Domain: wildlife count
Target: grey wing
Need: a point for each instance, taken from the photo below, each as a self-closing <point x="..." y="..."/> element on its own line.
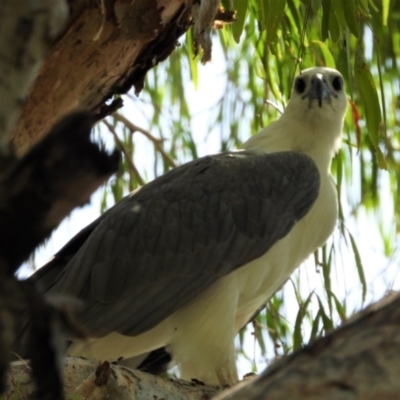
<point x="160" y="247"/>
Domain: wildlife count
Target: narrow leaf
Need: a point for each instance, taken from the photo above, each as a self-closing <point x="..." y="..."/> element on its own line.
<point x="240" y="6"/>
<point x="369" y="95"/>
<point x="350" y="14"/>
<point x="327" y="55"/>
<point x="273" y="10"/>
<point x="297" y="334"/>
<point x="326" y="9"/>
<point x="360" y="268"/>
<point x="328" y="324"/>
<point x="337" y="8"/>
<point x="380" y="158"/>
<point x="334" y="28"/>
<point x="315" y="325"/>
<point x="339" y="307"/>
<point x="385" y="11"/>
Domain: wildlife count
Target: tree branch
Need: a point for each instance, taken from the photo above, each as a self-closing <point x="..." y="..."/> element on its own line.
<point x="94" y="380"/>
<point x="26" y="30"/>
<point x="36" y="193"/>
<point x="156" y="142"/>
<point x="42" y="188"/>
<point x="128" y="157"/>
<point x="360" y="360"/>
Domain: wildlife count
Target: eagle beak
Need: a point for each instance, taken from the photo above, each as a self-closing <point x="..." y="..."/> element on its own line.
<point x="319" y="89"/>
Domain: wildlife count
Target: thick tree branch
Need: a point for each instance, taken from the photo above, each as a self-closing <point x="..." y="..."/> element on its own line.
<point x="39" y="190"/>
<point x="36" y="193"/>
<point x="26" y="30"/>
<point x="103" y="52"/>
<point x="360" y="360"/>
<point x="91" y="379"/>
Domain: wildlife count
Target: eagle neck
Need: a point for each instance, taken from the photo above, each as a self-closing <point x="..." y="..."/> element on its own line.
<point x="318" y="139"/>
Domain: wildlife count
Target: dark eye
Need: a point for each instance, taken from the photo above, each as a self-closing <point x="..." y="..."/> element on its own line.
<point x="300" y="85"/>
<point x="337" y="83"/>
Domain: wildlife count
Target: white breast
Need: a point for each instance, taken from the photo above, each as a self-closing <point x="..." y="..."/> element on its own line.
<point x="261" y="278"/>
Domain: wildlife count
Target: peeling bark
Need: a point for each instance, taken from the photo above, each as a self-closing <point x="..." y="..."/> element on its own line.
<point x="360" y="360"/>
<point x="91" y="379"/>
<point x="26" y="30"/>
<point x="104" y="51"/>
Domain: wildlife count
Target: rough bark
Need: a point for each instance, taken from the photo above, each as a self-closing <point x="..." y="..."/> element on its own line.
<point x="360" y="360"/>
<point x="26" y="31"/>
<point x="93" y="380"/>
<point x="40" y="189"/>
<point x="107" y="47"/>
<point x="36" y="193"/>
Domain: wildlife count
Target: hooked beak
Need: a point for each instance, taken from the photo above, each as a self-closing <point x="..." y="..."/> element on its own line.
<point x="319" y="90"/>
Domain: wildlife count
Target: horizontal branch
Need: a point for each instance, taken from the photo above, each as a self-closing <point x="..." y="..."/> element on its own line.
<point x="94" y="380"/>
<point x="360" y="360"/>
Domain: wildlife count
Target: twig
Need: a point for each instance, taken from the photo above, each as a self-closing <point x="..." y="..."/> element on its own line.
<point x="126" y="154"/>
<point x="273" y="105"/>
<point x="155" y="141"/>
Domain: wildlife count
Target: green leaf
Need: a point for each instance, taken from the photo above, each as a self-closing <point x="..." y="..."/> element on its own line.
<point x="339" y="307"/>
<point x="369" y="95"/>
<point x="273" y="10"/>
<point x="385" y="11"/>
<point x="297" y="334"/>
<point x="350" y="14"/>
<point x="334" y="27"/>
<point x="329" y="61"/>
<point x="360" y="268"/>
<point x="259" y="336"/>
<point x="315" y="325"/>
<point x="240" y="6"/>
<point x="328" y="323"/>
<point x="261" y="14"/>
<point x="226" y="4"/>
<point x="192" y="60"/>
<point x="380" y="158"/>
<point x="326" y="10"/>
<point x="326" y="272"/>
<point x="337" y="8"/>
<point x="295" y="15"/>
<point x="316" y="5"/>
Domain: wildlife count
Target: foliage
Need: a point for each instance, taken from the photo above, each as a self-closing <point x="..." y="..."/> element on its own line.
<point x="257" y="58"/>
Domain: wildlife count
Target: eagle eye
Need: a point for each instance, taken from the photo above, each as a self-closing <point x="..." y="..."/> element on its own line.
<point x="300" y="85"/>
<point x="337" y="83"/>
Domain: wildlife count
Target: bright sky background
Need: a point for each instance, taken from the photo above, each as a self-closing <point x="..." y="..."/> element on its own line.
<point x="381" y="273"/>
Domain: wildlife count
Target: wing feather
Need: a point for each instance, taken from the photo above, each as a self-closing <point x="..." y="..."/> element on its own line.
<point x="164" y="244"/>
